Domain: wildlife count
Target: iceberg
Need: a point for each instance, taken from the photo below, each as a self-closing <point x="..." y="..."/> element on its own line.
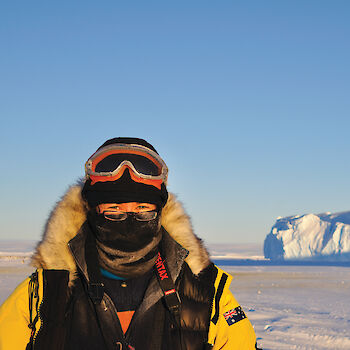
<point x="311" y="236"/>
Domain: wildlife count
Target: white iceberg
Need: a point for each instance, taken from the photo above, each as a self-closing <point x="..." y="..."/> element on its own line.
<point x="310" y="236"/>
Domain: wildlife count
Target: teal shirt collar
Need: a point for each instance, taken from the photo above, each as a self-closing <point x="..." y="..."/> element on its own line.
<point x="108" y="274"/>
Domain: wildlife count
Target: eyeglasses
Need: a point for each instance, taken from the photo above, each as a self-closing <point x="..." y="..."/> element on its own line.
<point x="122" y="215"/>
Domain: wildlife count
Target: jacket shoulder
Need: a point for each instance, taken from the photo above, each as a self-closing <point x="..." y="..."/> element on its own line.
<point x="229" y="327"/>
<point x="14" y="318"/>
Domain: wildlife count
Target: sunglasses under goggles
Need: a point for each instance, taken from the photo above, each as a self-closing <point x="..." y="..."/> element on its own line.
<point x="110" y="162"/>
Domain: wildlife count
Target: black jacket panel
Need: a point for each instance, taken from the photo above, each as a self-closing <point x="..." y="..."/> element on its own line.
<point x="94" y="327"/>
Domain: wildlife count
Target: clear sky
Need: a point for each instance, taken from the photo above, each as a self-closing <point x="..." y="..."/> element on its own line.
<point x="247" y="101"/>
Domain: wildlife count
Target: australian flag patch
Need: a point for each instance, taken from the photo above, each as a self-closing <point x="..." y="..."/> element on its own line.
<point x="234" y="315"/>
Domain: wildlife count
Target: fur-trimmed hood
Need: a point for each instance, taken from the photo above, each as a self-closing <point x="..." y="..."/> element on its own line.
<point x="64" y="222"/>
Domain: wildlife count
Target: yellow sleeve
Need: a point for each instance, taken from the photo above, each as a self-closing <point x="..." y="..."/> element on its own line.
<point x="238" y="336"/>
<point x="14" y="317"/>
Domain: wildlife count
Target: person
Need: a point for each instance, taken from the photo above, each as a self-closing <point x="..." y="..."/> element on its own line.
<point x="119" y="267"/>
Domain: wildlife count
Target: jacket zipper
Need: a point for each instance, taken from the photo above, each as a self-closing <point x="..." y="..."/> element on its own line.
<point x="39" y="312"/>
<point x="41" y="324"/>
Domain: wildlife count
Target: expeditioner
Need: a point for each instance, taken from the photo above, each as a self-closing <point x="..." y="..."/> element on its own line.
<point x="120" y="268"/>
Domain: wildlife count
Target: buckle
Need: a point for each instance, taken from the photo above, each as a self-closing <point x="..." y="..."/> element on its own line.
<point x="173" y="302"/>
<point x="96" y="291"/>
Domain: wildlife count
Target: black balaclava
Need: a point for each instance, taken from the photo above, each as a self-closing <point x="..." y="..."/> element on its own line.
<point x="126" y="248"/>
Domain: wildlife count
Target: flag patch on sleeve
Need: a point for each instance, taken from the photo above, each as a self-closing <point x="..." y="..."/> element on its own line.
<point x="234" y="315"/>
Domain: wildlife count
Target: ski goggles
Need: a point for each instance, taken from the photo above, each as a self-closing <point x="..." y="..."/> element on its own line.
<point x="110" y="162"/>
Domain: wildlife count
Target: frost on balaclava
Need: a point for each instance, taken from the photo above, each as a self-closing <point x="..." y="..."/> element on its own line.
<point x="126" y="248"/>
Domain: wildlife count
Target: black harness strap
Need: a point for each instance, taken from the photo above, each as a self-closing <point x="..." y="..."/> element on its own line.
<point x="218" y="296"/>
<point x="95" y="287"/>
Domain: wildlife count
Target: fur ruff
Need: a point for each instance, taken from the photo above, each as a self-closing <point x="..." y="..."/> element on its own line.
<point x="69" y="214"/>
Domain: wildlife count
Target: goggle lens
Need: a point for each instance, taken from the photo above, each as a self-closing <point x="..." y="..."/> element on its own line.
<point x="142" y="164"/>
<point x="122" y="215"/>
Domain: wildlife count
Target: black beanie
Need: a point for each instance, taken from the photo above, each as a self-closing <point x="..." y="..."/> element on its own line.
<point x="124" y="189"/>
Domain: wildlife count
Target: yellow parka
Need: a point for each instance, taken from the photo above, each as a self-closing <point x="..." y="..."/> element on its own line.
<point x="15" y="333"/>
<point x="53" y="253"/>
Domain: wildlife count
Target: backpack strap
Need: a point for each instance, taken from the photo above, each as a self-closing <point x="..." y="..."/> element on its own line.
<point x="95" y="286"/>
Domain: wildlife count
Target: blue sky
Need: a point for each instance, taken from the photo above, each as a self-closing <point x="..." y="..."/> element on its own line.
<point x="247" y="102"/>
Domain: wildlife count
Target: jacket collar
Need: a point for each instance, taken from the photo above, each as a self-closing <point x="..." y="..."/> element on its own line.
<point x="68" y="216"/>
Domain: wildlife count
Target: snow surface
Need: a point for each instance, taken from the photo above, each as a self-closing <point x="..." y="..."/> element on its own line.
<point x="236" y="251"/>
<point x="290" y="307"/>
<point x="310" y="236"/>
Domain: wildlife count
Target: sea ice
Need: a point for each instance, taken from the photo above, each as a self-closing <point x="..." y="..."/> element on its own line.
<point x="290" y="307"/>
